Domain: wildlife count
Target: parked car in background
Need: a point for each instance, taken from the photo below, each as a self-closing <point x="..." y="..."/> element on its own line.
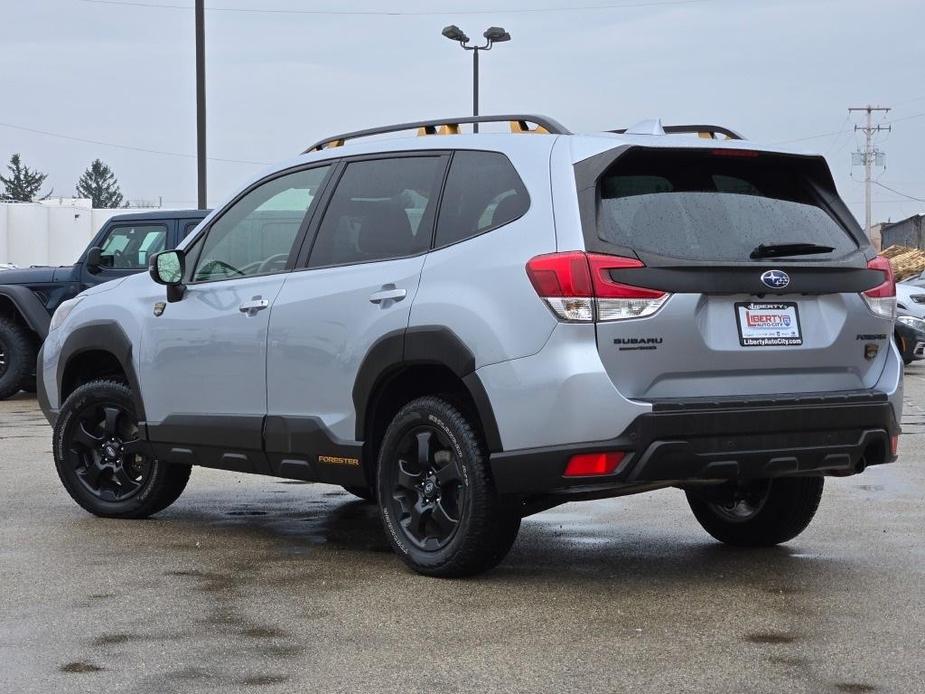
<point x="29" y="296"/>
<point x="909" y="333"/>
<point x="910" y="298"/>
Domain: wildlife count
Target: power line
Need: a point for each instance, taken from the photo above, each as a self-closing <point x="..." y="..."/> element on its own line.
<point x="128" y="147"/>
<point x="838" y="132"/>
<point x="402" y="13"/>
<point x="893" y="190"/>
<point x="897" y="120"/>
<point x="809" y="137"/>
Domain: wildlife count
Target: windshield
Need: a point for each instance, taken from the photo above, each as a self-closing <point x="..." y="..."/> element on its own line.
<point x="699" y="206"/>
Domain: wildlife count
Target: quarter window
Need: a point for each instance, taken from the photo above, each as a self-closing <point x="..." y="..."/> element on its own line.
<point x="255" y="235"/>
<point x="382" y="208"/>
<point x="483" y="191"/>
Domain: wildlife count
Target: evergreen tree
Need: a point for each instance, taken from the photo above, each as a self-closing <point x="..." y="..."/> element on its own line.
<point x="100" y="185"/>
<point x="23" y="184"/>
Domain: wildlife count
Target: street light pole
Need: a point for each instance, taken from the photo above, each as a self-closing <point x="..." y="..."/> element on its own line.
<point x="475" y="86"/>
<point x="200" y="105"/>
<point x="492" y="36"/>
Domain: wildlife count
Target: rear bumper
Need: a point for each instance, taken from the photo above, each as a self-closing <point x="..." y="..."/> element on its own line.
<point x="714" y="439"/>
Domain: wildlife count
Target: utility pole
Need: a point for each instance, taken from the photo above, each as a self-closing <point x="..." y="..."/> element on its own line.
<point x="200" y="104"/>
<point x="871" y="155"/>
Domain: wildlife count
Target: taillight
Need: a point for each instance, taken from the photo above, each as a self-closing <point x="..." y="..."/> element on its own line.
<point x="881" y="300"/>
<point x="577" y="286"/>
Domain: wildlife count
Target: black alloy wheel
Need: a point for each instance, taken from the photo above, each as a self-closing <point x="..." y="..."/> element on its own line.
<point x="427" y="491"/>
<point x="437" y="499"/>
<point x="102" y="460"/>
<point x="106" y="451"/>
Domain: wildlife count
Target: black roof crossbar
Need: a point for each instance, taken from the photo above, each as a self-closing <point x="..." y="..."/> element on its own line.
<point x="711" y="131"/>
<point x="519" y="124"/>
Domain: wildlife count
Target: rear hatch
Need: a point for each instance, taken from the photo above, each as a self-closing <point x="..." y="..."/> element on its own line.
<point x="750" y="276"/>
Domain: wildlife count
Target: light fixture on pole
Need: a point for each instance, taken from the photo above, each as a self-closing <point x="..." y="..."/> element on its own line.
<point x="492" y="36"/>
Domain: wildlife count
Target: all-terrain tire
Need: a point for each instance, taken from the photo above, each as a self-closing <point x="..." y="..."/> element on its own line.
<point x="486" y="525"/>
<point x="19" y="354"/>
<point x="158" y="488"/>
<point x="787" y="510"/>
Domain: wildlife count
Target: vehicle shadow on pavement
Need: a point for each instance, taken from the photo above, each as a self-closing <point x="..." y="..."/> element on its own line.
<point x="546" y="550"/>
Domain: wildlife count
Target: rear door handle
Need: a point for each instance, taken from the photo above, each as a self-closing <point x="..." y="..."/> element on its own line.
<point x="251" y="307"/>
<point x="390" y="294"/>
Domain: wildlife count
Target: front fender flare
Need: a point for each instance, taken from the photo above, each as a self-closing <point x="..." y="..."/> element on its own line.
<point x="29" y="307"/>
<point x="103" y="336"/>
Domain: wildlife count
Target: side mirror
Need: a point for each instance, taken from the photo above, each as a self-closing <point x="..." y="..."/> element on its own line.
<point x="94" y="259"/>
<point x="168" y="268"/>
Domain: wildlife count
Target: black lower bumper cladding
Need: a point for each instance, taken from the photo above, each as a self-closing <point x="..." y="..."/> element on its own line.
<point x="705" y="439"/>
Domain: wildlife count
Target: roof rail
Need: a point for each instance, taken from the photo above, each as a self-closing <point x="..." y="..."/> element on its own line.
<point x="449" y="126"/>
<point x="708" y="132"/>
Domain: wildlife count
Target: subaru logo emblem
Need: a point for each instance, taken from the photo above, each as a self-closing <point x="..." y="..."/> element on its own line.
<point x="775" y="279"/>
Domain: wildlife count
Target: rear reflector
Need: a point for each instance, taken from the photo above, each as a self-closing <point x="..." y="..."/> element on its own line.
<point x="894" y="444"/>
<point x="578" y="286"/>
<point x="588" y="464"/>
<point x="882" y="298"/>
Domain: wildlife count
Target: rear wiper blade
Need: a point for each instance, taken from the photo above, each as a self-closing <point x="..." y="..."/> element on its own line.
<point x="776" y="250"/>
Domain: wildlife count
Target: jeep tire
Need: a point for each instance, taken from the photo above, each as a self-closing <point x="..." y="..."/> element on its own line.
<point x="101" y="460"/>
<point x="437" y="499"/>
<point x="764" y="513"/>
<point x="17" y="357"/>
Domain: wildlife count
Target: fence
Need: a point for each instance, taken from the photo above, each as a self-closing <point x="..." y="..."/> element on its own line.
<point x="51" y="232"/>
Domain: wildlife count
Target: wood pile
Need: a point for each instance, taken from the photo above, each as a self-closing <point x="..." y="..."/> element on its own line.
<point x="906" y="261"/>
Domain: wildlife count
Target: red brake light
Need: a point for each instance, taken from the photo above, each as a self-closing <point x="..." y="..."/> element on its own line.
<point x="574" y="273"/>
<point x="745" y="153"/>
<point x="577" y="287"/>
<point x="587" y="464"/>
<point x="605" y="287"/>
<point x="560" y="274"/>
<point x="888" y="287"/>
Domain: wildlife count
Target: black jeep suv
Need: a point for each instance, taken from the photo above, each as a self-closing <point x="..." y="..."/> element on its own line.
<point x="29" y="296"/>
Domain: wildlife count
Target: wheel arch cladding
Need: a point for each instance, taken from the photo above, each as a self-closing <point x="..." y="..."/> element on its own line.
<point x="106" y="337"/>
<point x="27" y="306"/>
<point x="425" y="346"/>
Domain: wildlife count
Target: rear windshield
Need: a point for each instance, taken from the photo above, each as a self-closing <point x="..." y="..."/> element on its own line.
<point x="702" y="206"/>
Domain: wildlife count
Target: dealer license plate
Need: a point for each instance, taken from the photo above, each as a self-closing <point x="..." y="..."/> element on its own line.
<point x="768" y="324"/>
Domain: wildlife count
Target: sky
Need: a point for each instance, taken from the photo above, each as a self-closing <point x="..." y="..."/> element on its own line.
<point x="292" y="72"/>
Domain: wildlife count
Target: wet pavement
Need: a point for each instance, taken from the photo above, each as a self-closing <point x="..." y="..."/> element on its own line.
<point x="261" y="585"/>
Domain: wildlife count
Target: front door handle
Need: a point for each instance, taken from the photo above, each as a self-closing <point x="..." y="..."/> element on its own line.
<point x="387" y="294"/>
<point x="251" y="307"/>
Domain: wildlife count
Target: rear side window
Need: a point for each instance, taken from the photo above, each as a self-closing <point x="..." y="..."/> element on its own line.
<point x="701" y="206"/>
<point x="483" y="191"/>
<point x="381" y="208"/>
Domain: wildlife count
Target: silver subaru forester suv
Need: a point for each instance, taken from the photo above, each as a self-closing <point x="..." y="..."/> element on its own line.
<point x="470" y="328"/>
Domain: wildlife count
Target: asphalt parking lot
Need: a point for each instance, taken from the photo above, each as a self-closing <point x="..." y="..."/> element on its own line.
<point x="258" y="584"/>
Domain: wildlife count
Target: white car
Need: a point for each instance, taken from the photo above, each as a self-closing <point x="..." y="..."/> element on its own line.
<point x="910" y="298"/>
